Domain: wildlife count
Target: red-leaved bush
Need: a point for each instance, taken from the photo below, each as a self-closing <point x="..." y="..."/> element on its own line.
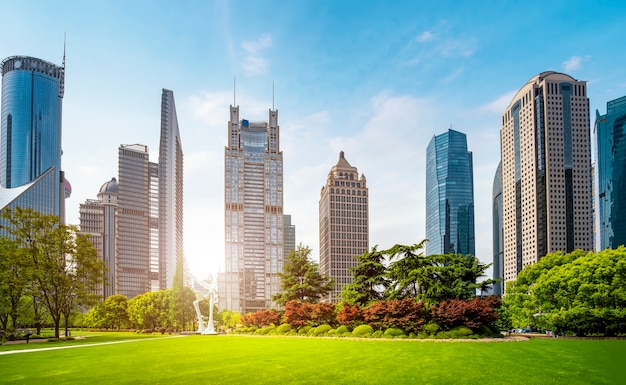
<point x="261" y="318"/>
<point x="350" y="315"/>
<point x="406" y="314"/>
<point x="472" y="314"/>
<point x="298" y="314"/>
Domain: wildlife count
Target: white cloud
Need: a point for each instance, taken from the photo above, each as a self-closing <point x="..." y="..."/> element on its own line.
<point x="253" y="46"/>
<point x="457" y="47"/>
<point x="497" y="106"/>
<point x="575" y="63"/>
<point x="425" y="36"/>
<point x="455" y="74"/>
<point x="253" y="63"/>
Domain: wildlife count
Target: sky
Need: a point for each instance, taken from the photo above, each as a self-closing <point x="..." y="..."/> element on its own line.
<point x="374" y="79"/>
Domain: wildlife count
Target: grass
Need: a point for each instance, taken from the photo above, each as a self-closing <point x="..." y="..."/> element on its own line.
<point x="272" y="360"/>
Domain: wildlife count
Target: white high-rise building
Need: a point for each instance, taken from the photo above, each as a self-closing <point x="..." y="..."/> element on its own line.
<point x="546" y="171"/>
<point x="253" y="203"/>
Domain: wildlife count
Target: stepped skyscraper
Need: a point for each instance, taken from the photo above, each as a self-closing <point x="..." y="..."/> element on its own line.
<point x="253" y="205"/>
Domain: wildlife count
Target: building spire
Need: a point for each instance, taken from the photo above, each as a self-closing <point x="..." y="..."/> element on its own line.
<point x="272" y="95"/>
<point x="234" y="91"/>
<point x="62" y="77"/>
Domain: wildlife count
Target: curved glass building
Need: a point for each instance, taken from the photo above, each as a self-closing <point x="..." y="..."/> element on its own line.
<point x="30" y="139"/>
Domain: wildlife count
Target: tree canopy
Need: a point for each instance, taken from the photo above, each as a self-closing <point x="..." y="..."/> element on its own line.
<point x="301" y="279"/>
<point x="581" y="293"/>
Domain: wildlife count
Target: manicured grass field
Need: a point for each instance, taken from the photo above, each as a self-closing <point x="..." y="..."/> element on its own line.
<point x="284" y="360"/>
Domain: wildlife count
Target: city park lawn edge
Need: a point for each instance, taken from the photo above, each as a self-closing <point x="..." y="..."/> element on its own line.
<point x="98" y="359"/>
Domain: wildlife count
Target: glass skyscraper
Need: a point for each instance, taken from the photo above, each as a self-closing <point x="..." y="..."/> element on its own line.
<point x="610" y="130"/>
<point x="498" y="234"/>
<point x="30" y="138"/>
<point x="449" y="195"/>
<point x="253" y="203"/>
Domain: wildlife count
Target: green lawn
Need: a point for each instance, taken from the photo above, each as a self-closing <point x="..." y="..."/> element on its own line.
<point x="284" y="360"/>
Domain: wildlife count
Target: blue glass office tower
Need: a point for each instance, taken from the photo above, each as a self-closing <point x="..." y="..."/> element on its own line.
<point x="610" y="130"/>
<point x="30" y="140"/>
<point x="449" y="195"/>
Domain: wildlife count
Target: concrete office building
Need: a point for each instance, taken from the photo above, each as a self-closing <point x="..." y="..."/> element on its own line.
<point x="253" y="205"/>
<point x="449" y="195"/>
<point x="343" y="223"/>
<point x="498" y="234"/>
<point x="546" y="171"/>
<point x="610" y="131"/>
<point x="289" y="232"/>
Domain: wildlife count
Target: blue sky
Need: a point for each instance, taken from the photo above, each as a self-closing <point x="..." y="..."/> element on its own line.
<point x="374" y="79"/>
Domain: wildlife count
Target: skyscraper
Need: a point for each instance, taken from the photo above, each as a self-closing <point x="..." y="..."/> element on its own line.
<point x="498" y="246"/>
<point x="343" y="222"/>
<point x="30" y="139"/>
<point x="133" y="224"/>
<point x="449" y="195"/>
<point x="610" y="130"/>
<point x="253" y="200"/>
<point x="289" y="232"/>
<point x="98" y="218"/>
<point x="170" y="192"/>
<point x="546" y="171"/>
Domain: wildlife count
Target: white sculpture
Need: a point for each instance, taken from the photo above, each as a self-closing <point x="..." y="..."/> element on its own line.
<point x="205" y="290"/>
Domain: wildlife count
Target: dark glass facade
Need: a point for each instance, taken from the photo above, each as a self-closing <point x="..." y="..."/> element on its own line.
<point x="610" y="130"/>
<point x="449" y="195"/>
<point x="498" y="232"/>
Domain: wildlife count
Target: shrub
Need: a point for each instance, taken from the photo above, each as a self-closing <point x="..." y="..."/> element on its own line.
<point x="461" y="331"/>
<point x="261" y="318"/>
<point x="323" y="313"/>
<point x="297" y="313"/>
<point x="162" y="330"/>
<point x="148" y="331"/>
<point x="293" y="332"/>
<point x="377" y="334"/>
<point x="304" y="330"/>
<point x="472" y="313"/>
<point x="331" y="332"/>
<point x="350" y="314"/>
<point x="283" y="329"/>
<point x="322" y="329"/>
<point x="394" y="332"/>
<point x="405" y="314"/>
<point x="431" y="328"/>
<point x="342" y="330"/>
<point x="362" y="331"/>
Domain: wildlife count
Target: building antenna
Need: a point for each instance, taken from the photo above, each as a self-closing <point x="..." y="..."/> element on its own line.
<point x="234" y="91"/>
<point x="62" y="77"/>
<point x="273" y="95"/>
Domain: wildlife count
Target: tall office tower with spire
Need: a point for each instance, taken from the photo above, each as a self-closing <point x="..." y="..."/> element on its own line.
<point x="343" y="223"/>
<point x="546" y="171"/>
<point x="170" y="193"/>
<point x="449" y="195"/>
<point x="30" y="139"/>
<point x="253" y="200"/>
<point x="610" y="131"/>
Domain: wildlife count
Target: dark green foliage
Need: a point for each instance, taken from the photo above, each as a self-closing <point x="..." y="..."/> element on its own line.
<point x="301" y="279"/>
<point x="432" y="328"/>
<point x="580" y="293"/>
<point x="368" y="279"/>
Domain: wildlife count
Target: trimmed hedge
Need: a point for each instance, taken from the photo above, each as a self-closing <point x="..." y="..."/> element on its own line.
<point x="322" y="329"/>
<point x="362" y="331"/>
<point x="394" y="332"/>
<point x="283" y="329"/>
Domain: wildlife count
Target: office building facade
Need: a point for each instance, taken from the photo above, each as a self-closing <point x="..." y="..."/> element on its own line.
<point x="253" y="201"/>
<point x="449" y="195"/>
<point x="289" y="233"/>
<point x="498" y="234"/>
<point x="610" y="132"/>
<point x="546" y="171"/>
<point x="343" y="223"/>
<point x="30" y="137"/>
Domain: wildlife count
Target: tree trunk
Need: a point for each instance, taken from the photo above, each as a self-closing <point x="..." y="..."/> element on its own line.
<point x="57" y="322"/>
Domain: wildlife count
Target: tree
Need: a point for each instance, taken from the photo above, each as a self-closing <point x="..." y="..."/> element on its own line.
<point x="116" y="311"/>
<point x="182" y="313"/>
<point x="150" y="310"/>
<point x="65" y="268"/>
<point x="15" y="271"/>
<point x="433" y="278"/>
<point x="301" y="279"/>
<point x="368" y="279"/>
<point x="581" y="293"/>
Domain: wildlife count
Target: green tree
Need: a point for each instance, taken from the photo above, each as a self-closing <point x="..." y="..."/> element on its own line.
<point x="433" y="278"/>
<point x="65" y="268"/>
<point x="15" y="272"/>
<point x="150" y="310"/>
<point x="301" y="279"/>
<point x="368" y="279"/>
<point x="116" y="311"/>
<point x="182" y="313"/>
<point x="581" y="293"/>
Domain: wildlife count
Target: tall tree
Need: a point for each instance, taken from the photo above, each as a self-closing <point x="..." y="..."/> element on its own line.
<point x="182" y="313"/>
<point x="65" y="268"/>
<point x="301" y="279"/>
<point x="15" y="271"/>
<point x="368" y="279"/>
